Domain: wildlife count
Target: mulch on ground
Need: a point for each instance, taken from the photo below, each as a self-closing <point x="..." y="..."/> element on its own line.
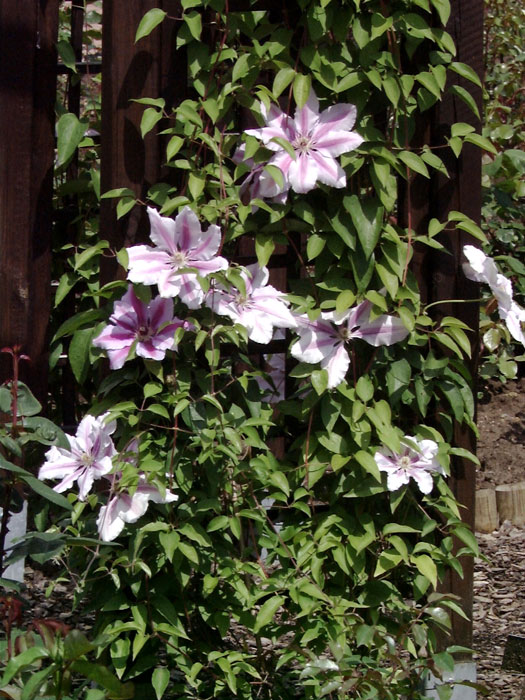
<point x="499" y="577"/>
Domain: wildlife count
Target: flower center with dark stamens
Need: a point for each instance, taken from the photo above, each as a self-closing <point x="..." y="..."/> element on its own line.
<point x="302" y="144"/>
<point x="143" y="333"/>
<point x="347" y="333"/>
<point x="404" y="462"/>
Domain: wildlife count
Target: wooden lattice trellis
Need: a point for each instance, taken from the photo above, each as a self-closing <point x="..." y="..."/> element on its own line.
<point x="28" y="70"/>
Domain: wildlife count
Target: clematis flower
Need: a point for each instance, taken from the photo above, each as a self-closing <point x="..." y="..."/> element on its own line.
<point x="482" y="268"/>
<point x="150" y="326"/>
<point x="316" y="138"/>
<point x="324" y="339"/>
<point x="261" y="309"/>
<point x="259" y="183"/>
<point x="417" y="461"/>
<point x="124" y="508"/>
<point x="180" y="243"/>
<point x="89" y="458"/>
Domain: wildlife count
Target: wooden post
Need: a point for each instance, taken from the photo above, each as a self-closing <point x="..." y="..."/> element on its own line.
<point x="440" y="274"/>
<point x="511" y="503"/>
<point x="487" y="518"/>
<point x="461" y="193"/>
<point x="28" y="34"/>
<point x="151" y="68"/>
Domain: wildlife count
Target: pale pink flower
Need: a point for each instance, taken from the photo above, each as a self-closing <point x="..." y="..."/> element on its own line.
<point x="259" y="308"/>
<point x="316" y="138"/>
<point x="89" y="458"/>
<point x="150" y="327"/>
<point x="324" y="340"/>
<point x="124" y="508"/>
<point x="418" y="461"/>
<point x="180" y="244"/>
<point x="482" y="268"/>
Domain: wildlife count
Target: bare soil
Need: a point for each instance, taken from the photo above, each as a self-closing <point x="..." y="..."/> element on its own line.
<point x="501" y="444"/>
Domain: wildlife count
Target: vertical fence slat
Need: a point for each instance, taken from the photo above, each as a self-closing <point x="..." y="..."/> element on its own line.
<point x="28" y="34"/>
<point x="131" y="71"/>
<point x="462" y="193"/>
<point x="440" y="274"/>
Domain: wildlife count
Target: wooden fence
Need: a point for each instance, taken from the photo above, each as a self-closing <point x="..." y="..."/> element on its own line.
<point x="28" y="73"/>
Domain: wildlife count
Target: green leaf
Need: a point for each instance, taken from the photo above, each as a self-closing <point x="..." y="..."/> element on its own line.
<point x="65" y="285"/>
<point x="169" y="541"/>
<point x="456" y="144"/>
<point x="465" y="72"/>
<point x="398" y="378"/>
<point x="28" y="405"/>
<point x="41" y="546"/>
<point x="86" y="255"/>
<point x="275" y="172"/>
<point x="193" y="21"/>
<point x="46" y="492"/>
<point x="367" y="217"/>
<point x="282" y="79"/>
<point x="461" y="129"/>
<point x="196" y="533"/>
<point x="35" y="683"/>
<point x="368" y="463"/>
<point x="443" y="9"/>
<point x="414" y="162"/>
<point x="124" y="206"/>
<point x="492" y="338"/>
<point x="387" y="560"/>
<point x="314" y="246"/>
<point x="468" y="537"/>
<point x="160" y="679"/>
<point x="78" y="354"/>
<point x="173" y="147"/>
<point x="301" y="89"/>
<point x="196" y="183"/>
<point x="426" y="566"/>
<point x="482" y="142"/>
<point x="466" y="97"/>
<point x="81" y="319"/>
<point x="76" y="644"/>
<point x="392" y="90"/>
<point x="189" y="552"/>
<point x="365" y="388"/>
<point x="147" y="24"/>
<point x="320" y="380"/>
<point x="428" y="81"/>
<point x="447" y="341"/>
<point x="435" y="162"/>
<point x="103" y="676"/>
<point x="118" y="192"/>
<point x="44" y="431"/>
<point x="287" y="146"/>
<point x="20" y="661"/>
<point x="149" y="118"/>
<point x="264" y="247"/>
<point x="67" y="54"/>
<point x="241" y="67"/>
<point x="267" y="612"/>
<point x="159" y="410"/>
<point x="70" y="132"/>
